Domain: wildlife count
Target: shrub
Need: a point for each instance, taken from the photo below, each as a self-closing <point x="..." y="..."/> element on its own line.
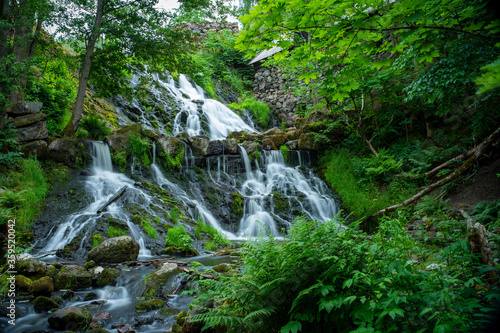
<point x="217" y="238"/>
<point x="116" y="232"/>
<point x="141" y="149"/>
<point x="178" y="237"/>
<point x="96" y="128"/>
<point x="9" y="148"/>
<point x="259" y="110"/>
<point x="149" y="229"/>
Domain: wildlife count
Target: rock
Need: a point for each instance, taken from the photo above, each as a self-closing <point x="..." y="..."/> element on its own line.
<point x="31" y="268"/>
<point x="118" y="142"/>
<point x="68" y="294"/>
<point x="108" y="277"/>
<point x="89" y="264"/>
<point x="230" y="146"/>
<point x="222" y="268"/>
<point x="176" y="328"/>
<point x="254" y="137"/>
<point x="43" y="303"/>
<point x="73" y="277"/>
<point x="70" y="152"/>
<point x="91" y="296"/>
<point x="269" y="144"/>
<point x="169" y="144"/>
<point x="215" y="147"/>
<point x="152" y="304"/>
<point x="307" y="142"/>
<point x="35" y="148"/>
<point x="70" y="318"/>
<point x="36" y="131"/>
<point x="57" y="299"/>
<point x="22" y="284"/>
<point x="160" y="277"/>
<point x="251" y="147"/>
<point x="125" y="328"/>
<point x="23" y="121"/>
<point x="20" y="109"/>
<point x="42" y="287"/>
<point x="292" y="145"/>
<point x="199" y="145"/>
<point x="115" y="250"/>
<point x="293" y="134"/>
<point x="272" y="131"/>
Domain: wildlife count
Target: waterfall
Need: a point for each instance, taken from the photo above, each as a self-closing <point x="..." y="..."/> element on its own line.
<point x="101" y="185"/>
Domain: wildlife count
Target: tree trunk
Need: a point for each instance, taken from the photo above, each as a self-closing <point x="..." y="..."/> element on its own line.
<point x="34" y="41"/>
<point x="72" y="126"/>
<point x="4" y="52"/>
<point x="478" y="151"/>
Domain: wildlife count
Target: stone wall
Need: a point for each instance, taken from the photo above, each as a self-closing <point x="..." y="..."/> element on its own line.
<point x="269" y="87"/>
<point x="30" y="126"/>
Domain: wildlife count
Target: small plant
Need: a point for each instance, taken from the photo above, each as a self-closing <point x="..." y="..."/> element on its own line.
<point x="149" y="229"/>
<point x="217" y="239"/>
<point x="431" y="206"/>
<point x="178" y="237"/>
<point x="174" y="215"/>
<point x="9" y="148"/>
<point x="174" y="163"/>
<point x="285" y="152"/>
<point x="116" y="232"/>
<point x="259" y="110"/>
<point x="96" y="240"/>
<point x="141" y="149"/>
<point x="96" y="128"/>
<point x="486" y="212"/>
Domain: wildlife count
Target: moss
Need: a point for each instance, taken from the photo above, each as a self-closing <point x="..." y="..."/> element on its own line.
<point x="96" y="240"/>
<point x="280" y="202"/>
<point x="89" y="264"/>
<point x="152" y="304"/>
<point x="68" y="294"/>
<point x="176" y="328"/>
<point x="116" y="232"/>
<point x="108" y="277"/>
<point x="42" y="287"/>
<point x="237" y="205"/>
<point x="57" y="299"/>
<point x="23" y="283"/>
<point x="163" y="194"/>
<point x="91" y="296"/>
<point x="181" y="318"/>
<point x="212" y="199"/>
<point x="120" y="159"/>
<point x="43" y="303"/>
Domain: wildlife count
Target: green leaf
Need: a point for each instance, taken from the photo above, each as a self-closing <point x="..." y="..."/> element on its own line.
<point x="347" y="283"/>
<point x="292" y="326"/>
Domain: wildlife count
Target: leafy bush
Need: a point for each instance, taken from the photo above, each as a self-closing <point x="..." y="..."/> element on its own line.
<point x="329" y="278"/>
<point x="178" y="237"/>
<point x="285" y="152"/>
<point x="377" y="167"/>
<point x="259" y="110"/>
<point x="116" y="232"/>
<point x="96" y="128"/>
<point x="431" y="206"/>
<point x="9" y="148"/>
<point x="96" y="240"/>
<point x="141" y="149"/>
<point x="487" y="212"/>
<point x="217" y="238"/>
<point x="149" y="229"/>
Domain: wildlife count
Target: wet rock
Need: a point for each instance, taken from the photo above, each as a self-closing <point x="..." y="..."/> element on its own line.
<point x="89" y="264"/>
<point x="268" y="144"/>
<point x="43" y="303"/>
<point x="160" y="277"/>
<point x="31" y="268"/>
<point x="215" y="147"/>
<point x="70" y="318"/>
<point x="169" y="144"/>
<point x="23" y="283"/>
<point x="251" y="147"/>
<point x="73" y="277"/>
<point x="279" y="139"/>
<point x="108" y="277"/>
<point x="152" y="304"/>
<point x="292" y="145"/>
<point x="68" y="294"/>
<point x="307" y="142"/>
<point x="57" y="299"/>
<point x="165" y="312"/>
<point x="35" y="148"/>
<point x="98" y="330"/>
<point x="115" y="250"/>
<point x="118" y="142"/>
<point x="51" y="271"/>
<point x="20" y="109"/>
<point x="199" y="145"/>
<point x="272" y="131"/>
<point x="176" y="328"/>
<point x="222" y="268"/>
<point x="230" y="146"/>
<point x="72" y="153"/>
<point x="36" y="131"/>
<point x="125" y="328"/>
<point x="42" y="287"/>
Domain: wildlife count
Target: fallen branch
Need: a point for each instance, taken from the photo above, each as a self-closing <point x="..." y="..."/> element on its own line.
<point x="113" y="198"/>
<point x="224" y="252"/>
<point x="450" y="162"/>
<point x="478" y="151"/>
<point x="155" y="262"/>
<point x="190" y="271"/>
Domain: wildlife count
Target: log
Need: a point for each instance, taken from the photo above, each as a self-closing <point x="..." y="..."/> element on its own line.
<point x="450" y="162"/>
<point x="155" y="262"/>
<point x="190" y="271"/>
<point x="478" y="152"/>
<point x="113" y="199"/>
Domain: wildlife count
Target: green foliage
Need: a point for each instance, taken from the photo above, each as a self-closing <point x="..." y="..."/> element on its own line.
<point x="174" y="215"/>
<point x="141" y="149"/>
<point x="259" y="110"/>
<point x="487" y="213"/>
<point x="96" y="128"/>
<point x="378" y="167"/>
<point x="217" y="238"/>
<point x="328" y="278"/>
<point x="178" y="237"/>
<point x="431" y="206"/>
<point x="361" y="196"/>
<point x="120" y="159"/>
<point x="114" y="231"/>
<point x="9" y="148"/>
<point x="174" y="163"/>
<point x="237" y="205"/>
<point x="96" y="240"/>
<point x="149" y="229"/>
<point x="285" y="152"/>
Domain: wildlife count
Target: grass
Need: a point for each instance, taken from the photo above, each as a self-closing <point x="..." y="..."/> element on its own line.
<point x="178" y="237"/>
<point x="361" y="198"/>
<point x="25" y="188"/>
<point x="149" y="229"/>
<point x="217" y="238"/>
<point x="116" y="232"/>
<point x="259" y="110"/>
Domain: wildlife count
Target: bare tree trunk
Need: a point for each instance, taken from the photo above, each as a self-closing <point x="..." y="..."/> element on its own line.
<point x="72" y="126"/>
<point x="478" y="151"/>
<point x="34" y="41"/>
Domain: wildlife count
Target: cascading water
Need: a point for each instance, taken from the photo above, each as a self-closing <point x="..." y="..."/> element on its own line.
<point x="101" y="185"/>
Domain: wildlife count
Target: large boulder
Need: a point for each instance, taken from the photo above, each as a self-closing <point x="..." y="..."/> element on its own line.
<point x="169" y="144"/>
<point x="114" y="250"/>
<point x="22" y="284"/>
<point x="272" y="131"/>
<point x="108" y="277"/>
<point x="268" y="144"/>
<point x="73" y="153"/>
<point x="292" y="145"/>
<point x="71" y="318"/>
<point x="34" y="148"/>
<point x="160" y="278"/>
<point x="307" y="142"/>
<point x="31" y="268"/>
<point x="215" y="147"/>
<point x="199" y="144"/>
<point x="43" y="303"/>
<point x="118" y="142"/>
<point x="42" y="287"/>
<point x="251" y="147"/>
<point x="20" y="109"/>
<point x="231" y="147"/>
<point x="73" y="277"/>
<point x="36" y="131"/>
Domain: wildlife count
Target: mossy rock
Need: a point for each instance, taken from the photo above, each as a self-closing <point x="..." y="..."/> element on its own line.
<point x="152" y="304"/>
<point x="175" y="251"/>
<point x="237" y="206"/>
<point x="115" y="250"/>
<point x="73" y="277"/>
<point x="108" y="277"/>
<point x="51" y="271"/>
<point x="98" y="330"/>
<point x="71" y="317"/>
<point x="31" y="268"/>
<point x="57" y="299"/>
<point x="160" y="277"/>
<point x="89" y="264"/>
<point x="23" y="283"/>
<point x="176" y="328"/>
<point x="222" y="268"/>
<point x="280" y="202"/>
<point x="137" y="219"/>
<point x="68" y="294"/>
<point x="91" y="296"/>
<point x="43" y="303"/>
<point x="42" y="287"/>
<point x="181" y="318"/>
